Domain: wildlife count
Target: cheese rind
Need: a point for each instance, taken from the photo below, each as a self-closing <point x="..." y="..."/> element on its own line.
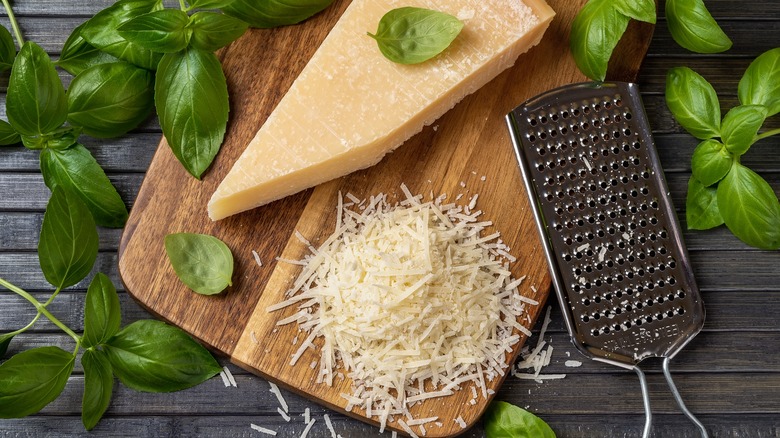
<point x="350" y="106"/>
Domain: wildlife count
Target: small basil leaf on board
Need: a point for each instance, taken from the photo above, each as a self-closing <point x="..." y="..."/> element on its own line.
<point x="152" y="356"/>
<point x="208" y="4"/>
<point x="192" y="102"/>
<point x="750" y="208"/>
<point x="692" y="27"/>
<point x="595" y="33"/>
<point x="701" y="206"/>
<point x="693" y="102"/>
<point x="274" y="13"/>
<point x="203" y="263"/>
<point x="102" y="32"/>
<point x="211" y="31"/>
<point x="162" y="31"/>
<point x="108" y="100"/>
<point x="76" y="170"/>
<point x="32" y="379"/>
<point x="101" y="312"/>
<point x="760" y="84"/>
<point x="78" y="55"/>
<point x="8" y="135"/>
<point x="641" y="10"/>
<point x="68" y="245"/>
<point x="98" y="387"/>
<point x="7" y="49"/>
<point x="504" y="420"/>
<point x="412" y="35"/>
<point x="5" y="342"/>
<point x="36" y="98"/>
<point x="711" y="162"/>
<point x="740" y="127"/>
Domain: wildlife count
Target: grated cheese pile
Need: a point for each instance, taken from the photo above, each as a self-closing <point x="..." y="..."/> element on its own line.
<point x="411" y="300"/>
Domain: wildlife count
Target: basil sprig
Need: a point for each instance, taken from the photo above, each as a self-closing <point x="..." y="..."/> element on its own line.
<point x="600" y="25"/>
<point x="504" y="420"/>
<point x="722" y="190"/>
<point x="146" y="355"/>
<point x="411" y="35"/>
<point x="203" y="263"/>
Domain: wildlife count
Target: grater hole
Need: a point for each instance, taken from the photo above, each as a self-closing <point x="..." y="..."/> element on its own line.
<point x="627" y="132"/>
<point x="618" y="102"/>
<point x="543" y="119"/>
<point x="637" y="145"/>
<point x="628" y="116"/>
<point x="554" y="117"/>
<point x="680" y="311"/>
<point x="576" y="112"/>
<point x="531" y="138"/>
<point x="533" y="122"/>
<point x="565" y="114"/>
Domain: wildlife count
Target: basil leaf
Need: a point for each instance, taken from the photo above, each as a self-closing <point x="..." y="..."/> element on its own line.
<point x="192" y="102"/>
<point x="5" y="341"/>
<point x="692" y="27"/>
<point x="162" y="31"/>
<point x="701" y="206"/>
<point x="98" y="387"/>
<point x="32" y="379"/>
<point x="274" y="13"/>
<point x="8" y="135"/>
<point x="69" y="241"/>
<point x="108" y="100"/>
<point x="413" y="35"/>
<point x="204" y="263"/>
<point x="595" y="33"/>
<point x="693" y="102"/>
<point x="761" y="83"/>
<point x="36" y="98"/>
<point x="212" y="31"/>
<point x="504" y="420"/>
<point x="711" y="162"/>
<point x="7" y="49"/>
<point x="208" y="4"/>
<point x="78" y="55"/>
<point x="77" y="171"/>
<point x="152" y="356"/>
<point x="750" y="208"/>
<point x="641" y="10"/>
<point x="740" y="127"/>
<point x="101" y="312"/>
<point x="102" y="32"/>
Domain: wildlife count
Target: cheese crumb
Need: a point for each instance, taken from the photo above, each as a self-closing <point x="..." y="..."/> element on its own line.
<point x="263" y="430"/>
<point x="229" y="376"/>
<point x="573" y="363"/>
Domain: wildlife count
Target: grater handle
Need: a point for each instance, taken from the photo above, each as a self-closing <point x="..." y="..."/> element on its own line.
<point x="646" y="402"/>
<point x="679" y="400"/>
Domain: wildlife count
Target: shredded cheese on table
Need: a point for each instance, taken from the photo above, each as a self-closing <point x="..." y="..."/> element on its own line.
<point x="411" y="300"/>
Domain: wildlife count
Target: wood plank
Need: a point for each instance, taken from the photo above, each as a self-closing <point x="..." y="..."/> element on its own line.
<point x="732" y="351"/>
<point x="565" y="426"/>
<point x="578" y="394"/>
<point x="27" y="192"/>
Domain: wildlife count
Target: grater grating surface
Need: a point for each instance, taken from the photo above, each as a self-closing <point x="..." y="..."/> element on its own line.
<point x="610" y="233"/>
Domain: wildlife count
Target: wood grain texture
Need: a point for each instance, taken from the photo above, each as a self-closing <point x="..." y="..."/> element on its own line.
<point x="468" y="142"/>
<point x="741" y="309"/>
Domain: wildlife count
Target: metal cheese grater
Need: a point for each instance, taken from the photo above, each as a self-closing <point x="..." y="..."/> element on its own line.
<point x="610" y="234"/>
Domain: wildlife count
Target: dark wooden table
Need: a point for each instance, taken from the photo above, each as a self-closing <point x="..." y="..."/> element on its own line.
<point x="729" y="374"/>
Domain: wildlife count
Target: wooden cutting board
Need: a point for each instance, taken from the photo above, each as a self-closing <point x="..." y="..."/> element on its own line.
<point x="467" y="143"/>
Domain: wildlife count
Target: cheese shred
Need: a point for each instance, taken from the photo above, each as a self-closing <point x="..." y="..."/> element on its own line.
<point x="411" y="300"/>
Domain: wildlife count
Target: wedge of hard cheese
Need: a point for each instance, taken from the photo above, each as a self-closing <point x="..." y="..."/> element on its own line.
<point x="350" y="105"/>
